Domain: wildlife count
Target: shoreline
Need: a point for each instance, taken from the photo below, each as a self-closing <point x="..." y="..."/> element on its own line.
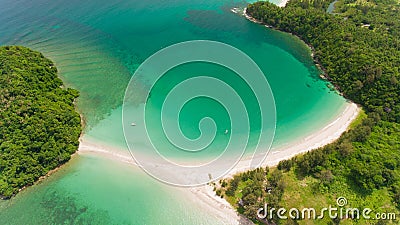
<point x="319" y="138"/>
<point x="327" y="135"/>
<point x="94" y="147"/>
<point x="324" y="75"/>
<point x="204" y="195"/>
<point x="41" y="178"/>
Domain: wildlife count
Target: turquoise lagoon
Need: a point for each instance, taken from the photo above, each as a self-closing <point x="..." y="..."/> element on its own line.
<point x="97" y="46"/>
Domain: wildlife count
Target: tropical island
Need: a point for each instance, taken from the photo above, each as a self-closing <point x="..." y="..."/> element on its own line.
<point x="40" y="128"/>
<point x="354" y="43"/>
<point x="357" y="46"/>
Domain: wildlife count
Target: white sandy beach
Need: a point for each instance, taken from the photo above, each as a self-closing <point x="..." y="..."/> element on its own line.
<point x="320" y="138"/>
<point x="283" y="3"/>
<point x="328" y="134"/>
<point x="205" y="195"/>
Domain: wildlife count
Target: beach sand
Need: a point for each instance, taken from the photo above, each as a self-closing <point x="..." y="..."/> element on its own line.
<point x="205" y="196"/>
<point x="320" y="138"/>
<point x="325" y="136"/>
<point x="283" y="3"/>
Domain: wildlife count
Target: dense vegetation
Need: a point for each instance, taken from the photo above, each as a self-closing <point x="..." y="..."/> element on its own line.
<point x="39" y="125"/>
<point x="381" y="15"/>
<point x="362" y="63"/>
<point x="358" y="49"/>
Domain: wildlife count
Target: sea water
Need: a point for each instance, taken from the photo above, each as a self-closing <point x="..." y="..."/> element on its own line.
<point x="97" y="45"/>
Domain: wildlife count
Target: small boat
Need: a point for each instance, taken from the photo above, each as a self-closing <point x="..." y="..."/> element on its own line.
<point x="133" y="124"/>
<point x="226" y="131"/>
<point x="235" y="10"/>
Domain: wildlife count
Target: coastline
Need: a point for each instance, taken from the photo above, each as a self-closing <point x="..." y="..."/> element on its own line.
<point x="330" y="133"/>
<point x="94" y="147"/>
<point x="204" y="195"/>
<point x="40" y="179"/>
<point x="325" y="136"/>
<point x="324" y="75"/>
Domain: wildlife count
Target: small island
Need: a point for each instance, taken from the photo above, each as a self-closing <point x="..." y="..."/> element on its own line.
<point x="40" y="128"/>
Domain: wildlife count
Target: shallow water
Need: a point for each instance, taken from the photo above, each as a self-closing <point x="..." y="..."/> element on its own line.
<point x="116" y="196"/>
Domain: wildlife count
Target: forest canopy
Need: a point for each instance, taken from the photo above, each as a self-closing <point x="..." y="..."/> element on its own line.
<point x="357" y="46"/>
<point x="363" y="62"/>
<point x="39" y="127"/>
